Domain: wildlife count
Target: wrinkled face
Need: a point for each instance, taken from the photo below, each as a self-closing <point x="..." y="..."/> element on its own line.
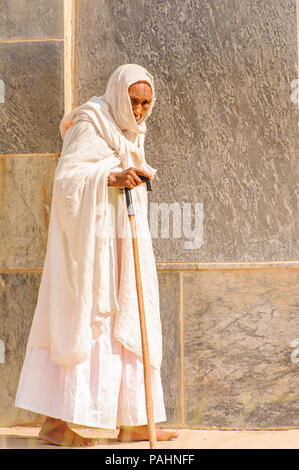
<point x="141" y="96"/>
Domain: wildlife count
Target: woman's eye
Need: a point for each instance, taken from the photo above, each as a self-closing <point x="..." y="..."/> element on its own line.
<point x="144" y="103"/>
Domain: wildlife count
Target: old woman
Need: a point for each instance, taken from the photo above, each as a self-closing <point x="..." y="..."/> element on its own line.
<point x="83" y="361"/>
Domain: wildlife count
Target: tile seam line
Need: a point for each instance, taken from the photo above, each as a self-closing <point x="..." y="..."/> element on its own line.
<point x="229" y="262"/>
<point x="289" y="268"/>
<point x="261" y="429"/>
<point x="228" y="267"/>
<point x="180" y="270"/>
<point x="20" y="270"/>
<point x="15" y="41"/>
<point x="9" y="155"/>
<point x="182" y="370"/>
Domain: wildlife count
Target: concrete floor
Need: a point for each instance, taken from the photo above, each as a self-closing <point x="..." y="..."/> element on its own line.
<point x="20" y="437"/>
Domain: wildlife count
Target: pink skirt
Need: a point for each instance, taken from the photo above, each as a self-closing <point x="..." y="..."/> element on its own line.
<point x="106" y="391"/>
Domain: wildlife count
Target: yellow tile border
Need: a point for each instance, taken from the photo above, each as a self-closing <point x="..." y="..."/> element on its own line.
<point x="297" y="14"/>
<point x="69" y="15"/>
<point x="20" y="270"/>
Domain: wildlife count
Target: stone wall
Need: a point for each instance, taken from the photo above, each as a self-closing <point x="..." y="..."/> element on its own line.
<point x="31" y="71"/>
<point x="229" y="358"/>
<point x="224" y="129"/>
<point x="223" y="134"/>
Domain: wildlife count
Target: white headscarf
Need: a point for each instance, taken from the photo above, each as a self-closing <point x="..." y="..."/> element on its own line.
<point x="118" y="99"/>
<point x="113" y="115"/>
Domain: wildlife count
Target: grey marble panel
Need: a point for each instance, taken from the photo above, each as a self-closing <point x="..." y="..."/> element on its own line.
<point x="241" y="362"/>
<point x="18" y="297"/>
<point x="169" y="289"/>
<point x="31" y="19"/>
<point x="33" y="100"/>
<point x="25" y="201"/>
<point x="224" y="130"/>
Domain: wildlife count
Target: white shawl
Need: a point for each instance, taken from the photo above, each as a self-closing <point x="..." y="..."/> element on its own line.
<point x="78" y="284"/>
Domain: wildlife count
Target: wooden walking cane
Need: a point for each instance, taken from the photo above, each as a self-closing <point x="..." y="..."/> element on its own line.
<point x="145" y="351"/>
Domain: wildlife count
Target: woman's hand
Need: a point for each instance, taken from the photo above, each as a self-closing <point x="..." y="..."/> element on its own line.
<point x="127" y="178"/>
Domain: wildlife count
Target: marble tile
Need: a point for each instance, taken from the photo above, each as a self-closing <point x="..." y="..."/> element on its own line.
<point x="240" y="362"/>
<point x="224" y="129"/>
<point x="25" y="201"/>
<point x="18" y="297"/>
<point x="33" y="101"/>
<point x="169" y="289"/>
<point x="31" y="19"/>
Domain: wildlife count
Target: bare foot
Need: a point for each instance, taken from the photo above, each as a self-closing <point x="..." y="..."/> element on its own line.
<point x="55" y="431"/>
<point x="140" y="433"/>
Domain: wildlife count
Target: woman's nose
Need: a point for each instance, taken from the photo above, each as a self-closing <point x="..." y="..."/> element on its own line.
<point x="138" y="108"/>
<point x="137" y="111"/>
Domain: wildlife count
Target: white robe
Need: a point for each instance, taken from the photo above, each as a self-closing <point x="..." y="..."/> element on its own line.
<point x="78" y="285"/>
